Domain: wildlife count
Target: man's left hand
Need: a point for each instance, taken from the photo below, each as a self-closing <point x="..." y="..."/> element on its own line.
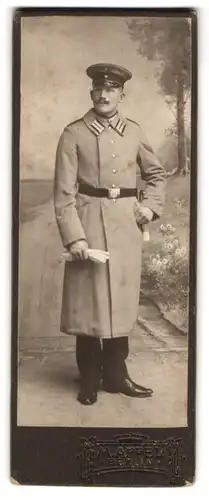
<point x="143" y="215"/>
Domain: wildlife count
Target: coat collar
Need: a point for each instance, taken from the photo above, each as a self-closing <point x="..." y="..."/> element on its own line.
<point x="97" y="124"/>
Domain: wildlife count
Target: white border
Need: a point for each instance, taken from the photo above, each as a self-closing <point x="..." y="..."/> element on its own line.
<point x="199" y="490"/>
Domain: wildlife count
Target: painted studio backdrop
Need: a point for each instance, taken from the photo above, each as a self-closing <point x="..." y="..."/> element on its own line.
<point x="55" y="52"/>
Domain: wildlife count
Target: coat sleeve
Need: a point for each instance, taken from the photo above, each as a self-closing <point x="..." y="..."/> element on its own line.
<point x="154" y="175"/>
<point x="65" y="179"/>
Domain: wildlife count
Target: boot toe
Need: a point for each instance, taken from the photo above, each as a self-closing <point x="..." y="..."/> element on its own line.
<point x="132" y="389"/>
<point x="87" y="398"/>
<point x="129" y="388"/>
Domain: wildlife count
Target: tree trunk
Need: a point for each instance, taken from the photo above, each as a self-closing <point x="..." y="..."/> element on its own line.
<point x="181" y="127"/>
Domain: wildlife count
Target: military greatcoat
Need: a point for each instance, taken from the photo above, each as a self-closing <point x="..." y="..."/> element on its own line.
<point x="101" y="300"/>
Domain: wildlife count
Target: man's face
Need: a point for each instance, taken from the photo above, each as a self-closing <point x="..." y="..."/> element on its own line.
<point x="106" y="100"/>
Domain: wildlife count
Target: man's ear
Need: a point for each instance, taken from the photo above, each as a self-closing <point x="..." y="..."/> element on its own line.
<point x="91" y="94"/>
<point x="122" y="95"/>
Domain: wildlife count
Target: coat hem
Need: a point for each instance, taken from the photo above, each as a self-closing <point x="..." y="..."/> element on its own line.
<point x="105" y="336"/>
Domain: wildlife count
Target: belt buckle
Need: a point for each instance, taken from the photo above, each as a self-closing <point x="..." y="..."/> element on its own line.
<point x="113" y="193"/>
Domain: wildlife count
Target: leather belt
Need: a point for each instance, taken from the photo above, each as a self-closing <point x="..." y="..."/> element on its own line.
<point x="111" y="193"/>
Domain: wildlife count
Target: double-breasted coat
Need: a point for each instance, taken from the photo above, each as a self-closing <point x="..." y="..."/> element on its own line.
<point x="101" y="300"/>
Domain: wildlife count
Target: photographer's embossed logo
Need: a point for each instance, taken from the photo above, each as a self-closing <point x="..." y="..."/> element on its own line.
<point x="132" y="452"/>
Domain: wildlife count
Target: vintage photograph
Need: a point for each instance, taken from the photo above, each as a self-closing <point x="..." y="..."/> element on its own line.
<point x="104" y="221"/>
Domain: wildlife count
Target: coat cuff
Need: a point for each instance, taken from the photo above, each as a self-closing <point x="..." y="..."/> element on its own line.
<point x="70" y="232"/>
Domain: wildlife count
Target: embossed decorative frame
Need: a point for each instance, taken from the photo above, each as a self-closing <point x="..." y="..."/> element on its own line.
<point x="102" y="456"/>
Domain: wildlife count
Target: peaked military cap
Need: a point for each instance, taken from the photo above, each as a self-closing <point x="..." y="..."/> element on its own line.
<point x="108" y="75"/>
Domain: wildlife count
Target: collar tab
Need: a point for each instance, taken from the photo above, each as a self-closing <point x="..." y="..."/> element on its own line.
<point x="118" y="123"/>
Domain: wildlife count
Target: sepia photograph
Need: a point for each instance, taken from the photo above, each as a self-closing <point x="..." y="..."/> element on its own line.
<point x="104" y="220"/>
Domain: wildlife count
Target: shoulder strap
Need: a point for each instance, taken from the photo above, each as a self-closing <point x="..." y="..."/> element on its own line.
<point x="133" y="121"/>
<point x="73" y="123"/>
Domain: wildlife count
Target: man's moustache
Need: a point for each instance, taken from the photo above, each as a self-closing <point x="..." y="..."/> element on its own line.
<point x="102" y="102"/>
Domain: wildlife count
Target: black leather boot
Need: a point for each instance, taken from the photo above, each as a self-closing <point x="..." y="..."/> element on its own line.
<point x="89" y="361"/>
<point x="115" y="375"/>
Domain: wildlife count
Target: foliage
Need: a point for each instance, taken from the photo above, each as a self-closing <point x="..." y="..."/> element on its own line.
<point x="168" y="43"/>
<point x="168" y="151"/>
<point x="165" y="273"/>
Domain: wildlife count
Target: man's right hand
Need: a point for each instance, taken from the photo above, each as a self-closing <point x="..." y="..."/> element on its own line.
<point x="79" y="249"/>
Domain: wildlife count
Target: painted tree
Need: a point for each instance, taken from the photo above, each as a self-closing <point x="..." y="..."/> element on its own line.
<point x="168" y="42"/>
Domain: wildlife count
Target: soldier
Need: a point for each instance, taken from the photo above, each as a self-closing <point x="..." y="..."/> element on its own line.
<point x="95" y="198"/>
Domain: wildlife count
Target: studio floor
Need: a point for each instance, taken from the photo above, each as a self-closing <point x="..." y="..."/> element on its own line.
<point x="48" y="385"/>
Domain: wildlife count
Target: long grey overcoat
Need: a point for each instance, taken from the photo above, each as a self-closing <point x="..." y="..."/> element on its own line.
<point x="101" y="300"/>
